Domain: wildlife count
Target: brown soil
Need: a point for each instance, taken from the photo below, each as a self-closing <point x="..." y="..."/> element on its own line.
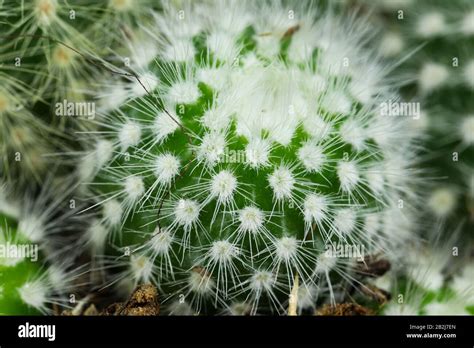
<point x="143" y="302"/>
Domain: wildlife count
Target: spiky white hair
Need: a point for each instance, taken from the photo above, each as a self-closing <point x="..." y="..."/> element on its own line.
<point x="318" y="156"/>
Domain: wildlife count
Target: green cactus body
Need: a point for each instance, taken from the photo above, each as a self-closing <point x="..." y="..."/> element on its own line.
<point x="248" y="148"/>
<point x="17" y="269"/>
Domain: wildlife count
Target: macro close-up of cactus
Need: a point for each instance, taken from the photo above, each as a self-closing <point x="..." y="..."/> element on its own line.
<point x="251" y="149"/>
<point x="236" y="158"/>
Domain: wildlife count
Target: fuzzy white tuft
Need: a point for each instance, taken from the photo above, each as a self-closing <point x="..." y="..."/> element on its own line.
<point x="134" y="188"/>
<point x="164" y="125"/>
<point x="113" y="212"/>
<point x="32" y="227"/>
<point x="167" y="167"/>
<point x="216" y="119"/>
<point x="129" y="135"/>
<point x="282" y="182"/>
<point x="337" y="102"/>
<point x="312" y="156"/>
<point x="268" y="46"/>
<point x="34" y="293"/>
<point x="318" y="128"/>
<point x="442" y="202"/>
<point x="141" y="268"/>
<point x="222" y="45"/>
<point x="375" y="179"/>
<point x="467" y="24"/>
<point x="58" y="277"/>
<point x="432" y="76"/>
<point x="63" y="57"/>
<point x="223" y="186"/>
<point x="431" y="24"/>
<point x="183" y="92"/>
<point x="315" y="209"/>
<point x="162" y="241"/>
<point x="257" y="152"/>
<point x="46" y="12"/>
<point x="181" y="50"/>
<point x="286" y="249"/>
<point x="97" y="235"/>
<point x="200" y="281"/>
<point x="345" y="221"/>
<point x="352" y="132"/>
<point x="251" y="219"/>
<point x="103" y="151"/>
<point x="262" y="281"/>
<point x="466" y="130"/>
<point x="307" y="297"/>
<point x="146" y="83"/>
<point x="348" y="175"/>
<point x="325" y="263"/>
<point x="223" y="252"/>
<point x="216" y="78"/>
<point x="391" y="45"/>
<point x="212" y="148"/>
<point x="372" y="224"/>
<point x="112" y="96"/>
<point x="186" y="213"/>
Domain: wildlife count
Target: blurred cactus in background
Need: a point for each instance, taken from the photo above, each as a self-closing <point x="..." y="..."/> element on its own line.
<point x="434" y="40"/>
<point x="36" y="273"/>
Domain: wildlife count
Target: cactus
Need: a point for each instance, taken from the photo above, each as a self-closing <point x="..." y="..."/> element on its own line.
<point x="37" y="270"/>
<point x="23" y="136"/>
<point x="57" y="49"/>
<point x="19" y="294"/>
<point x="27" y="136"/>
<point x="49" y="53"/>
<point x="32" y="36"/>
<point x="428" y="287"/>
<point x="441" y="75"/>
<point x="432" y="40"/>
<point x="247" y="146"/>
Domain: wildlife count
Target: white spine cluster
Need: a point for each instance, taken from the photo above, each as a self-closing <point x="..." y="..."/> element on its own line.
<point x="34" y="282"/>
